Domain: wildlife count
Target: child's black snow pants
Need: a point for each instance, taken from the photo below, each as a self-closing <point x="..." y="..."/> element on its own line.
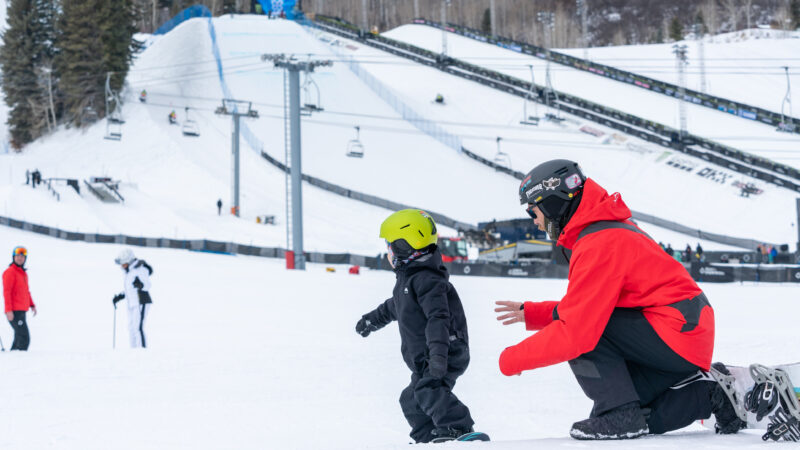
<point x="429" y="403"/>
<point x="632" y="364"/>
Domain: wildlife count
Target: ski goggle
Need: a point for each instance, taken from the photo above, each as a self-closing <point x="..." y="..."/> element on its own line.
<point x="530" y="212"/>
<point x="19" y="251"/>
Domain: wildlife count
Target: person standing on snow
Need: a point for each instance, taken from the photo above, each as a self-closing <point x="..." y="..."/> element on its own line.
<point x="636" y="329"/>
<point x="137" y="293"/>
<point x="18" y="299"/>
<point x="433" y="330"/>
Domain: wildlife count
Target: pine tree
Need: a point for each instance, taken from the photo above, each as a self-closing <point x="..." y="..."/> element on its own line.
<point x="794" y="11"/>
<point x="25" y="58"/>
<point x="675" y="29"/>
<point x="94" y="38"/>
<point x="486" y="21"/>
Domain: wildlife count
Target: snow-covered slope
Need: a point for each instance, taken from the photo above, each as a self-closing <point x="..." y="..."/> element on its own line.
<point x="244" y="354"/>
<point x="646" y="175"/>
<point x="171" y="182"/>
<point x="745" y="66"/>
<point x="746" y="135"/>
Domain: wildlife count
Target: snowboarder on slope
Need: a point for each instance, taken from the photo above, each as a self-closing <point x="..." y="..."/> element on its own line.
<point x="18" y="299"/>
<point x="137" y="291"/>
<point x="633" y="324"/>
<point x="433" y="329"/>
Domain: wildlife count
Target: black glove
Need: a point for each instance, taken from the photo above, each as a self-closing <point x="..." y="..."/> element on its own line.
<point x="364" y="327"/>
<point x="117" y="298"/>
<point x="137" y="283"/>
<point x="437" y="366"/>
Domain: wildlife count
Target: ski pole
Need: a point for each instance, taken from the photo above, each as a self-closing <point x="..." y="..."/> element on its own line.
<point x="1" y="345"/>
<point x="114" y="338"/>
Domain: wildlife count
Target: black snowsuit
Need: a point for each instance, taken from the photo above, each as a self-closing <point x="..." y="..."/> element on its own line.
<point x="431" y="320"/>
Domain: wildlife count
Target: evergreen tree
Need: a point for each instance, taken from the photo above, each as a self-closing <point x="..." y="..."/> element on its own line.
<point x="94" y="37"/>
<point x="25" y="58"/>
<point x="486" y="21"/>
<point x="675" y="29"/>
<point x="794" y="12"/>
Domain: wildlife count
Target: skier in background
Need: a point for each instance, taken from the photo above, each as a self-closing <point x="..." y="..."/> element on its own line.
<point x="636" y="329"/>
<point x="433" y="330"/>
<point x="136" y="290"/>
<point x="17" y="297"/>
<point x="143" y="96"/>
<point x="173" y="118"/>
<point x="219" y="207"/>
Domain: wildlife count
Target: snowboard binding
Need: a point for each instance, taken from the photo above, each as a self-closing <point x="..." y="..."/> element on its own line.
<point x="773" y="396"/>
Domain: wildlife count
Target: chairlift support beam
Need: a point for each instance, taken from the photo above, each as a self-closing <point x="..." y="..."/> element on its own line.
<point x="293" y="67"/>
<point x="526" y="119"/>
<point x="230" y="107"/>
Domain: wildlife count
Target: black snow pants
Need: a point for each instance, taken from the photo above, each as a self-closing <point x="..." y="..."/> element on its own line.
<point x="22" y="337"/>
<point x="429" y="403"/>
<point x="632" y="364"/>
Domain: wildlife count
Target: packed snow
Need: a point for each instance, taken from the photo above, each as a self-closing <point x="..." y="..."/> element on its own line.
<point x="244" y="354"/>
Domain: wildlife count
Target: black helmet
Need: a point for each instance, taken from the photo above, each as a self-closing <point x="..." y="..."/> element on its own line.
<point x="553" y="186"/>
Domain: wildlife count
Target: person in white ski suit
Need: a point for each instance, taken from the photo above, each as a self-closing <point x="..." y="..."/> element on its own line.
<point x="136" y="291"/>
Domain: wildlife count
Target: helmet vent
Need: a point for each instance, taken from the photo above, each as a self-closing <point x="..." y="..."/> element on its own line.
<point x="405" y="226"/>
<point x="420" y="233"/>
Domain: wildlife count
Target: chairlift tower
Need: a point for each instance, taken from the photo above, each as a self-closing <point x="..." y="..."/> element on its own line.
<point x="680" y="62"/>
<point x="236" y="109"/>
<point x="291" y="108"/>
<point x="786" y="120"/>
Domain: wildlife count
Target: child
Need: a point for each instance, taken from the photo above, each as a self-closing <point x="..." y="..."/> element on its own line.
<point x="433" y="330"/>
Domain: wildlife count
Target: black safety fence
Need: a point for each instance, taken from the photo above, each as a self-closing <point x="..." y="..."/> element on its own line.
<point x="768" y="273"/>
<point x="653" y="132"/>
<point x="701" y="271"/>
<point x="739" y="109"/>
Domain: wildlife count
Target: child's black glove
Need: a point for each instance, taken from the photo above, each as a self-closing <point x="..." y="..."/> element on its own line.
<point x="364" y="327"/>
<point x="437" y="366"/>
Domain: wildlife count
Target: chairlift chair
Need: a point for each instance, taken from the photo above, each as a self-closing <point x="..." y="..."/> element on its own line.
<point x="190" y="127"/>
<point x="114" y="126"/>
<point x="501" y="158"/>
<point x="526" y="119"/>
<point x="113" y="130"/>
<point x="355" y="149"/>
<point x="312" y="97"/>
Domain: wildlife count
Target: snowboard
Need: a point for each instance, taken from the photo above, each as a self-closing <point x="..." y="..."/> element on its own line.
<point x="768" y="397"/>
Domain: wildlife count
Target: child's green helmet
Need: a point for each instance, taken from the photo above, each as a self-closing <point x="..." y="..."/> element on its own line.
<point x="414" y="226"/>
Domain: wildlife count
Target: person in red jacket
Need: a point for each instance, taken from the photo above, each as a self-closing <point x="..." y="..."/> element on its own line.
<point x="18" y="298"/>
<point x="637" y="331"/>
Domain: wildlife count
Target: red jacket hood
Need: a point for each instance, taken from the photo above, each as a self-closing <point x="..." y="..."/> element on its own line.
<point x="596" y="205"/>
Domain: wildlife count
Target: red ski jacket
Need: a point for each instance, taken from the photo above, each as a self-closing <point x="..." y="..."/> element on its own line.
<point x="613" y="268"/>
<point x="15" y="289"/>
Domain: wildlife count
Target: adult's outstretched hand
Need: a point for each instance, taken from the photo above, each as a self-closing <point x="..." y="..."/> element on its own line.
<point x="511" y="312"/>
